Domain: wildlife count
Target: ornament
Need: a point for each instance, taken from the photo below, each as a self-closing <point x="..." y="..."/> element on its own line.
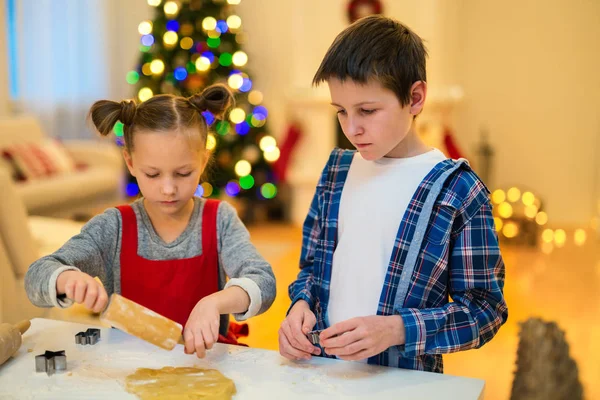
<point x="194" y="82"/>
<point x="224" y="159"/>
<point x="251" y="153"/>
<point x="358" y="9"/>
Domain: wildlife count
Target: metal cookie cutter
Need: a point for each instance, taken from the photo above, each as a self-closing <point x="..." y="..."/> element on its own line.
<point x="313" y="337"/>
<point x="91" y="336"/>
<point x="51" y="361"/>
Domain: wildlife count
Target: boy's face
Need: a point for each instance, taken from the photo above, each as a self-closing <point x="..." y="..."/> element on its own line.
<point x="373" y="119"/>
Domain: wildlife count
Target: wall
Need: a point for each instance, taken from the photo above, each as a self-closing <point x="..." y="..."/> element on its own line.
<point x="530" y="75"/>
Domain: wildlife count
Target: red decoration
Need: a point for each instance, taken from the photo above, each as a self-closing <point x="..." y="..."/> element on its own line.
<point x="451" y="147"/>
<point x="362" y="8"/>
<point x="280" y="167"/>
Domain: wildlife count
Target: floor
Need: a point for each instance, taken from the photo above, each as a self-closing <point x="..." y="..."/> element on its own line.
<point x="563" y="286"/>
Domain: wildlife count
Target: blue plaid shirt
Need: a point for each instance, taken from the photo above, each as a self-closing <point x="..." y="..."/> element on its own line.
<point x="453" y="296"/>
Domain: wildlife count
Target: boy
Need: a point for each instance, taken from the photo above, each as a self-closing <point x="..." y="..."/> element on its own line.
<point x="395" y="229"/>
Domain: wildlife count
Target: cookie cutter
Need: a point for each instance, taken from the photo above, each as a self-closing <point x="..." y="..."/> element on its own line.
<point x="91" y="337"/>
<point x="51" y="361"/>
<point x="313" y="337"/>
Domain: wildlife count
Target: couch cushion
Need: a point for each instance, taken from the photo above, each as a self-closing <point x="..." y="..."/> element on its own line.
<point x="51" y="233"/>
<point x="62" y="162"/>
<point x="25" y="159"/>
<point x="24" y="129"/>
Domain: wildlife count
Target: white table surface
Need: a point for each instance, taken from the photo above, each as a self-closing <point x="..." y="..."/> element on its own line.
<point x="99" y="371"/>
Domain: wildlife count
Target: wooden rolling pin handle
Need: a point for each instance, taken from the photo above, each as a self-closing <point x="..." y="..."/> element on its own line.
<point x="23" y="326"/>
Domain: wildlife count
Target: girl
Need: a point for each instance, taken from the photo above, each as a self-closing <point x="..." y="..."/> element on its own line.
<point x="169" y="251"/>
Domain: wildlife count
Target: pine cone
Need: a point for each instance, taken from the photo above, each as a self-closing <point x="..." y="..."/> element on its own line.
<point x="544" y="368"/>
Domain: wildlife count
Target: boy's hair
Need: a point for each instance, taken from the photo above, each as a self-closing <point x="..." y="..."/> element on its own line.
<point x="161" y="113"/>
<point x="380" y="48"/>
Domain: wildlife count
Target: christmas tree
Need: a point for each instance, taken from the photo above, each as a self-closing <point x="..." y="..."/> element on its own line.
<point x="188" y="46"/>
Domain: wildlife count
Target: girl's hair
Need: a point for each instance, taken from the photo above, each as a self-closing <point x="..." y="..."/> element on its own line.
<point x="161" y="113"/>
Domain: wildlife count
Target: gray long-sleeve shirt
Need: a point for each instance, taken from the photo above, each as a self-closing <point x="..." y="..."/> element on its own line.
<point x="96" y="251"/>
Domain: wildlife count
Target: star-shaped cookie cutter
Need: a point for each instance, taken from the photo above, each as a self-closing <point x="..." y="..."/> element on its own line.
<point x="51" y="361"/>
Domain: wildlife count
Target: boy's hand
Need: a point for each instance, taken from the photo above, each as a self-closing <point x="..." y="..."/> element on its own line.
<point x="83" y="289"/>
<point x="293" y="343"/>
<point x="363" y="337"/>
<point x="201" y="331"/>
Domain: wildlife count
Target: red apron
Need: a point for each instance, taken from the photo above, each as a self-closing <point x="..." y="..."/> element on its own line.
<point x="172" y="288"/>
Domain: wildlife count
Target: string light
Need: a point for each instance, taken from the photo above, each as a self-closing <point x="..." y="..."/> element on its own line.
<point x="268" y="190"/>
<point x="132" y="77"/>
<point x="580" y="237"/>
<point x="211" y="142"/>
<point x="247" y="182"/>
<point x="132" y="189"/>
<point x="147" y="40"/>
<point x="505" y="210"/>
<point x="234" y="22"/>
<point x="118" y="129"/>
<point x="241" y="38"/>
<point x="255" y="97"/>
<point x="157" y="67"/>
<point x="146" y="70"/>
<point x="207" y="189"/>
<point x="145" y="93"/>
<point x="528" y="199"/>
<point x="246" y="85"/>
<point x="222" y="26"/>
<point x="240" y="58"/>
<point x="513" y="194"/>
<point x="154" y="3"/>
<point x="186" y="43"/>
<point x="267" y="143"/>
<point x="225" y="59"/>
<point x="243" y="168"/>
<point x="531" y="211"/>
<point x="232" y="188"/>
<point x="498" y="222"/>
<point x="273" y="154"/>
<point x="145" y="28"/>
<point x="170" y="38"/>
<point x="233" y="2"/>
<point x="541" y="218"/>
<point x="560" y="237"/>
<point x="510" y="230"/>
<point x="235" y="81"/>
<point x="209" y="24"/>
<point x="171" y="8"/>
<point x="237" y="115"/>
<point x="548" y="235"/>
<point x="203" y="64"/>
<point x="213" y="43"/>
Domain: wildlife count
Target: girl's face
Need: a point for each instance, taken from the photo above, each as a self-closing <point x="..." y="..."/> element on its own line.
<point x="168" y="166"/>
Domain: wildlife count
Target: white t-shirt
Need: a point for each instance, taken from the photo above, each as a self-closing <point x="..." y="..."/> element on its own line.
<point x="374" y="200"/>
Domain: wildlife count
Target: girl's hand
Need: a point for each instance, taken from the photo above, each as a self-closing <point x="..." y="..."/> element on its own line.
<point x="293" y="343"/>
<point x="201" y="331"/>
<point x="83" y="289"/>
<point x="363" y="337"/>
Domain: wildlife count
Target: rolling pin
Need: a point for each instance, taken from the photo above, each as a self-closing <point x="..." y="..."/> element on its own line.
<point x="10" y="339"/>
<point x="139" y="321"/>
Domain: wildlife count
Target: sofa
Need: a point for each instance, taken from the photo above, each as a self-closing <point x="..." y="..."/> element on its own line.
<point x="23" y="239"/>
<point x="96" y="178"/>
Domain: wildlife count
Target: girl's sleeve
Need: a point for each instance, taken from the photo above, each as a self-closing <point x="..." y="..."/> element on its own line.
<point x="242" y="263"/>
<point x="91" y="251"/>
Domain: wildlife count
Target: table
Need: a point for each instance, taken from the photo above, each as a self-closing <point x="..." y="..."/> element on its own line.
<point x="99" y="371"/>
